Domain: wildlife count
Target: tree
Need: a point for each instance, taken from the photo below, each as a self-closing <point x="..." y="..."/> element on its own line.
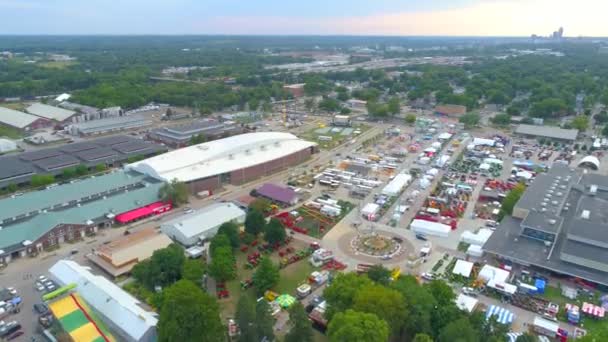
<point x="351" y="326"/>
<point x="604" y="131"/>
<point x="222" y="266"/>
<point x="458" y="331"/>
<point x="394" y="106"/>
<point x="300" y="327"/>
<point x="386" y="303"/>
<point x="68" y="173"/>
<point x="42" y="180"/>
<point x="310" y="104"/>
<point x="193" y="270"/>
<point x="345" y="111"/>
<point x="231" y="231"/>
<point x="254" y="222"/>
<point x="379" y="274"/>
<point x="81" y="170"/>
<point x="330" y="105"/>
<point x="266" y="107"/>
<point x="420" y="303"/>
<point x="274" y="232"/>
<point x="162" y="269"/>
<point x="422" y="338"/>
<point x="101" y="167"/>
<point x="266" y="276"/>
<point x="189" y="314"/>
<point x="527" y="337"/>
<point x="410" y="119"/>
<point x="377" y="110"/>
<point x="580" y="122"/>
<point x="197" y="139"/>
<point x="260" y="204"/>
<point x="509" y="202"/>
<point x="264" y="321"/>
<point x="218" y="241"/>
<point x="470" y="120"/>
<point x="340" y="294"/>
<point x="245" y="318"/>
<point x="501" y="119"/>
<point x="175" y="192"/>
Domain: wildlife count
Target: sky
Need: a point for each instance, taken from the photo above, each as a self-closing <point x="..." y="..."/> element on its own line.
<point x="306" y="17"/>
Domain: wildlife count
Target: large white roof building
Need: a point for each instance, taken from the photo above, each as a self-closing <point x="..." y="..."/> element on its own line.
<point x="49" y="112"/>
<point x="15" y="118"/>
<point x="221" y="156"/>
<point x="120" y="310"/>
<point x="202" y="224"/>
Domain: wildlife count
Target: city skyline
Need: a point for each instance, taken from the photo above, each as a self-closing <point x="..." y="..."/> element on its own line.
<point x="314" y="17"/>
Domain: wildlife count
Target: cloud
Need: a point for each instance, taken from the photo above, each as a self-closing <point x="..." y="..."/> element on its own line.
<point x="484" y="18"/>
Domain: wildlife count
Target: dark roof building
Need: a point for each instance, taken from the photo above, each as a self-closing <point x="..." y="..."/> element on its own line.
<point x="451" y="110"/>
<point x="110" y="151"/>
<point x="559" y="225"/>
<point x="279" y="194"/>
<point x="180" y="135"/>
<point x="548" y="132"/>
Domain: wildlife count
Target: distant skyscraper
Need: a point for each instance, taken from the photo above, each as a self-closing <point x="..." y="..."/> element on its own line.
<point x="560" y="32"/>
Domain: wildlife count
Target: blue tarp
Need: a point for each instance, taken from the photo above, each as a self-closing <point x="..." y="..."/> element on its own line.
<point x="16" y="301"/>
<point x="503" y="315"/>
<point x="540" y="285"/>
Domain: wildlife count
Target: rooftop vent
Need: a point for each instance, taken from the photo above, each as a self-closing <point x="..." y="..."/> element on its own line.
<point x="585" y="214"/>
<point x="552" y="221"/>
<point x="555" y="202"/>
<point x="593" y="189"/>
<point x="560" y="194"/>
<point x="562" y="186"/>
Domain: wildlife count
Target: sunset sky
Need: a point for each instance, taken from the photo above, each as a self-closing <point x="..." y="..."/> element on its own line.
<point x="324" y="17"/>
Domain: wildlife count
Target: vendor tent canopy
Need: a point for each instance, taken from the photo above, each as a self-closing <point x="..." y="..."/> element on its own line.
<point x="478" y="238"/>
<point x="484" y="167"/>
<point x="475" y="251"/>
<point x="430" y="228"/>
<point x="593" y="310"/>
<point x="463" y="268"/>
<point x="444" y="136"/>
<point x="436" y="144"/>
<point x="285" y="300"/>
<point x="483" y="142"/>
<point x="466" y="303"/>
<point x="492" y="161"/>
<point x="503" y="315"/>
<point x="524" y="174"/>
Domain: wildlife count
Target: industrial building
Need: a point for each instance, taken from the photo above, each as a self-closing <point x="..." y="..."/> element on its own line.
<point x="547" y="132"/>
<point x="120" y="256"/>
<point x="109" y="125"/>
<point x="451" y="110"/>
<point x="111" y="151"/>
<point x="180" y="135"/>
<point x="56" y="114"/>
<point x="122" y="313"/>
<point x="22" y="121"/>
<point x="296" y="90"/>
<point x="558" y="225"/>
<point x="38" y="220"/>
<point x="202" y="224"/>
<point x="234" y="160"/>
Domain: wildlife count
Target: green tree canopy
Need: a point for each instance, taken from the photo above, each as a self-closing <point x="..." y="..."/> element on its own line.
<point x="231" y="230"/>
<point x="218" y="241"/>
<point x="469" y="120"/>
<point x="162" y="269"/>
<point x="353" y="326"/>
<point x="245" y="318"/>
<point x="509" y="202"/>
<point x="260" y="204"/>
<point x="274" y="231"/>
<point x="527" y="337"/>
<point x="222" y="266"/>
<point x="379" y="274"/>
<point x="266" y="276"/>
<point x="458" y="331"/>
<point x="422" y="338"/>
<point x="264" y="321"/>
<point x="394" y="106"/>
<point x="254" y="222"/>
<point x="175" y="192"/>
<point x="410" y="119"/>
<point x="340" y="294"/>
<point x="386" y="303"/>
<point x="501" y="119"/>
<point x="580" y="122"/>
<point x="189" y="314"/>
<point x="193" y="270"/>
<point x="300" y="328"/>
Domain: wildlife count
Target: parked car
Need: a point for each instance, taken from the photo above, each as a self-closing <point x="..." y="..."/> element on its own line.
<point x="421" y="237"/>
<point x="41" y="308"/>
<point x="9" y="328"/>
<point x="469" y="291"/>
<point x="12" y="291"/>
<point x="39" y="287"/>
<point x="428" y="276"/>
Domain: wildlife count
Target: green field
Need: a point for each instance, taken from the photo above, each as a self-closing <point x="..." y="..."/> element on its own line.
<point x="57" y="64"/>
<point x="337" y="137"/>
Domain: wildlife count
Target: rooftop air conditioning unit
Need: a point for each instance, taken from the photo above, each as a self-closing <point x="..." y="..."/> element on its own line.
<point x="593" y="189"/>
<point x="552" y="221"/>
<point x="585" y="214"/>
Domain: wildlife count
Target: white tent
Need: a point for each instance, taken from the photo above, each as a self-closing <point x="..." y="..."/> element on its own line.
<point x="475" y="251"/>
<point x="444" y="136"/>
<point x="432" y="172"/>
<point x="370" y="209"/>
<point x="436" y="145"/>
<point x="424" y="160"/>
<point x="463" y="268"/>
<point x="492" y="161"/>
<point x="466" y="303"/>
<point x="397" y="184"/>
<point x="478" y="238"/>
<point x="489" y="273"/>
<point x="524" y="174"/>
<point x="483" y="142"/>
<point x="442" y="160"/>
<point x="424" y="183"/>
<point x="430" y="228"/>
<point x="430" y="150"/>
<point x="484" y="167"/>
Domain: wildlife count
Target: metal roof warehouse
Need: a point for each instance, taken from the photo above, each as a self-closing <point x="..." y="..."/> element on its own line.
<point x="547" y="132"/>
<point x="20" y="120"/>
<point x="19" y="168"/>
<point x="50" y="112"/>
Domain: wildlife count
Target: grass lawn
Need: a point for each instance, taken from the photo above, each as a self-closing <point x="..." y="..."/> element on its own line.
<point x="10" y="132"/>
<point x="337" y="138"/>
<point x="294" y="275"/>
<point x="554" y="294"/>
